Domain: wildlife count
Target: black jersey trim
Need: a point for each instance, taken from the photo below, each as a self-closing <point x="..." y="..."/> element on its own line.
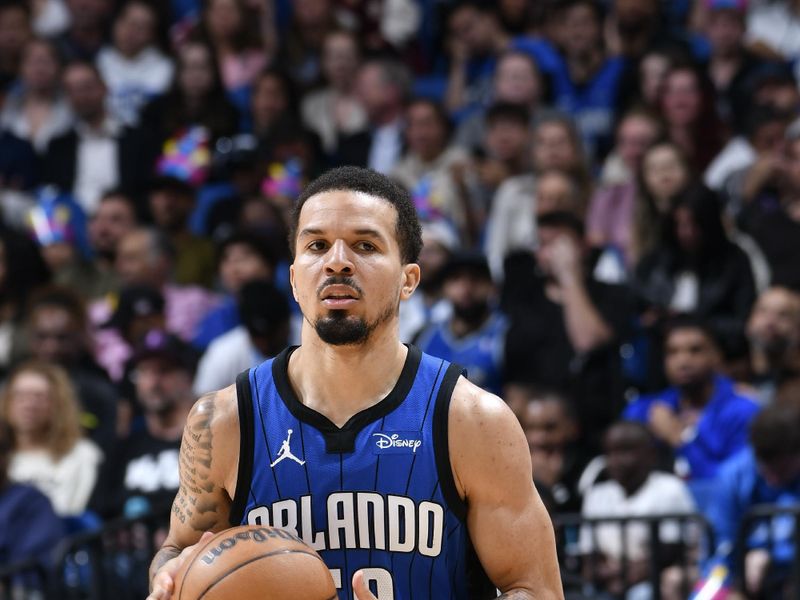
<point x="441" y="448"/>
<point x="339" y="440"/>
<point x="244" y="399"/>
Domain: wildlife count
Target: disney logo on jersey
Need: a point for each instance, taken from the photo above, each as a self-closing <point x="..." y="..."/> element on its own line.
<point x="399" y="442"/>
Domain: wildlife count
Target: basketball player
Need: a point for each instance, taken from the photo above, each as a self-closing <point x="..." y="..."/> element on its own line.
<point x="411" y="482"/>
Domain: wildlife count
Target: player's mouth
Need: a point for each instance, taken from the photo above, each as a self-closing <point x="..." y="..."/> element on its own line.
<point x="338" y="296"/>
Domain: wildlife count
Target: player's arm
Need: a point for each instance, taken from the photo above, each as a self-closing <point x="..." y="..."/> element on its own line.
<point x="208" y="467"/>
<point x="508" y="524"/>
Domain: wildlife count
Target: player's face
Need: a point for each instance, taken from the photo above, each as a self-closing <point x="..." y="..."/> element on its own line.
<point x="348" y="275"/>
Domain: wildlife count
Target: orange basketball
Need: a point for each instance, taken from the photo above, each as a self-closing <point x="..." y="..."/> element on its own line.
<point x="252" y="562"/>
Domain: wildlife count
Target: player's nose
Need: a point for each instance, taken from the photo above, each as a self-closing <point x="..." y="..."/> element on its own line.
<point x="338" y="259"/>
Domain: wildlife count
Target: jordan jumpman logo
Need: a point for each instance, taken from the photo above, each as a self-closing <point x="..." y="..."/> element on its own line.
<point x="286" y="452"/>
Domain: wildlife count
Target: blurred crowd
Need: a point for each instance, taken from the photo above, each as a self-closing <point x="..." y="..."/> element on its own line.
<point x="610" y="199"/>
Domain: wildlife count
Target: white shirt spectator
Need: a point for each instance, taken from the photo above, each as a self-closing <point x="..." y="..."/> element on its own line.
<point x="660" y="494"/>
<point x="776" y="26"/>
<point x="133" y="81"/>
<point x="226" y="357"/>
<point x="67" y="482"/>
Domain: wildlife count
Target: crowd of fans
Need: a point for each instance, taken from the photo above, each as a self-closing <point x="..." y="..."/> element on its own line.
<point x="610" y="199"/>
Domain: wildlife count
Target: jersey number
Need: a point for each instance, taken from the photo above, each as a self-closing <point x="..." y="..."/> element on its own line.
<point x="379" y="580"/>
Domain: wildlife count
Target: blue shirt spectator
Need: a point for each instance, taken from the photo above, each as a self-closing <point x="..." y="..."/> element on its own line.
<point x="766" y="473"/>
<point x="474" y="336"/>
<point x="700" y="417"/>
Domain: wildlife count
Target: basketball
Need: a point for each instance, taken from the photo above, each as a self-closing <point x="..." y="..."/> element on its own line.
<point x="251" y="562"/>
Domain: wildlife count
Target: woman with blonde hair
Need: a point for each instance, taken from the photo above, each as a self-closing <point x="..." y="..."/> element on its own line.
<point x="50" y="452"/>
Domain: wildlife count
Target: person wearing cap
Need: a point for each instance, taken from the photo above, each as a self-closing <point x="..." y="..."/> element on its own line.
<point x="474" y="335"/>
<point x="264" y="331"/>
<point x="143" y="474"/>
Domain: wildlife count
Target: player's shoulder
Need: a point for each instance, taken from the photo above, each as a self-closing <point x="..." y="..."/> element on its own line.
<point x="217" y="409"/>
<point x="473" y="408"/>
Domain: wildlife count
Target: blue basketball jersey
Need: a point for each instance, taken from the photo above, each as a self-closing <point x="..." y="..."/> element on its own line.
<point x="376" y="494"/>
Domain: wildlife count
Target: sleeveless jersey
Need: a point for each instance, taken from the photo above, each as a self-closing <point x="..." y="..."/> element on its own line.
<point x="376" y="494"/>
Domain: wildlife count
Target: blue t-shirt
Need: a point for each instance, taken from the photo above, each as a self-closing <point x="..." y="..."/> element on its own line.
<point x="377" y="493"/>
<point x="480" y="352"/>
<point x="739" y="487"/>
<point x="721" y="430"/>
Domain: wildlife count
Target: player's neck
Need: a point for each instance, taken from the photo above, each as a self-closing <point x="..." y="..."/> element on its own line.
<point x="340" y="381"/>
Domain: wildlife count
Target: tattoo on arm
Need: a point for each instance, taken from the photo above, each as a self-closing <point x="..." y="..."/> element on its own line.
<point x="161" y="557"/>
<point x="196" y="503"/>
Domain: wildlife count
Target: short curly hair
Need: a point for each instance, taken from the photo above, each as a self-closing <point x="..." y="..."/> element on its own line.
<point x="367" y="181"/>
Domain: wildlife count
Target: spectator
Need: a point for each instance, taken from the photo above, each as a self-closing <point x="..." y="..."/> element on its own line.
<point x="767" y="472"/>
<point x="58" y="225"/>
<point x="560" y="461"/>
<point x="474" y="336"/>
<point x="335" y="111"/>
<point x="427" y="165"/>
<point x="700" y="418"/>
<point x="36" y="110"/>
<point x="770" y="194"/>
<point x="133" y="66"/>
<point x="698" y="270"/>
<point x="517" y="80"/>
<point x="731" y="63"/>
<point x="427" y="305"/>
<point x="264" y="332"/>
<point x="58" y="334"/>
<point x="311" y="22"/>
<point x="773" y="332"/>
<point x="98" y="153"/>
<point x="87" y="30"/>
<point x="610" y="217"/>
<point x="143" y="475"/>
<point x="146" y="257"/>
<point x="243" y="257"/>
<point x="19" y="170"/>
<point x="243" y="37"/>
<point x="273" y="99"/>
<point x="690" y="115"/>
<point x="196" y="100"/>
<point x="382" y="87"/>
<point x="15" y="32"/>
<point x="512" y="221"/>
<point x="559" y="191"/>
<point x="565" y="327"/>
<point x="475" y="38"/>
<point x="585" y="76"/>
<point x="29" y="529"/>
<point x="39" y="404"/>
<point x="762" y="142"/>
<point x="664" y="173"/>
<point x="634" y="489"/>
<point x="115" y="216"/>
<point x="171" y="203"/>
<point x="642" y="85"/>
<point x="139" y="310"/>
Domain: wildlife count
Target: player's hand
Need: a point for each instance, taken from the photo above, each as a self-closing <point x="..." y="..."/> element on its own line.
<point x="360" y="587"/>
<point x="164" y="580"/>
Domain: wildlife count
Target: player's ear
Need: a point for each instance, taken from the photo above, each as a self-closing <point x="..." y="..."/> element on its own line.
<point x="291" y="281"/>
<point x="411" y="275"/>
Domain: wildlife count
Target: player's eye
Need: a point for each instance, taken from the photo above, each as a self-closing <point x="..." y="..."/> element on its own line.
<point x="366" y="246"/>
<point x="317" y="245"/>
